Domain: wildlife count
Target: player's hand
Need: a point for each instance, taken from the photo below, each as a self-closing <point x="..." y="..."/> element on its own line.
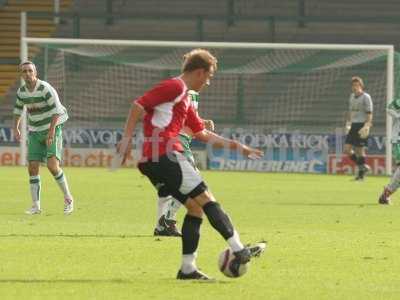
<point x="50" y="138"/>
<point x="17" y="134"/>
<point x="347" y="128"/>
<point x="252" y="153"/>
<point x="124" y="147"/>
<point x="209" y="124"/>
<point x="364" y="132"/>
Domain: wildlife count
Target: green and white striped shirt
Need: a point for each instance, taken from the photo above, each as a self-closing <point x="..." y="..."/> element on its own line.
<point x="194" y="101"/>
<point x="41" y="104"/>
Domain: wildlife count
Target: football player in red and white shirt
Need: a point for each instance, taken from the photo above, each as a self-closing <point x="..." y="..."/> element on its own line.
<point x="166" y="109"/>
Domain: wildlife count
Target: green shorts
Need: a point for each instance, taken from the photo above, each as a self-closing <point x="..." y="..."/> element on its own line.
<point x="396" y="152"/>
<point x="37" y="148"/>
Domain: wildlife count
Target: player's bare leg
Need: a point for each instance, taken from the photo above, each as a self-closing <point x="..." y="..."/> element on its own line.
<point x="35" y="187"/>
<point x="53" y="165"/>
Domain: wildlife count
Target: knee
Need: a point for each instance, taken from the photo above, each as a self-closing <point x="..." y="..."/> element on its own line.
<point x="347" y="151"/>
<point x="193" y="208"/>
<point x="33" y="170"/>
<point x="53" y="168"/>
<point x="360" y="152"/>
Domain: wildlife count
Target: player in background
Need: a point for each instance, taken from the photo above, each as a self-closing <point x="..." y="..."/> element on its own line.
<point x="46" y="116"/>
<point x="166" y="109"/>
<point x="358" y="124"/>
<point x="393" y="110"/>
<point x="168" y="206"/>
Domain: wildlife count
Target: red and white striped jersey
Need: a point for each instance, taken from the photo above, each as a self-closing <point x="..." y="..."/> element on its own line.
<point x="167" y="110"/>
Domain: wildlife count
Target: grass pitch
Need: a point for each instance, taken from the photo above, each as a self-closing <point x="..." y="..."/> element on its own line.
<point x="327" y="239"/>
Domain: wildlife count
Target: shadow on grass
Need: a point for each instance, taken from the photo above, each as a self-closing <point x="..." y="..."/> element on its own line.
<point x="105" y="281"/>
<point x="211" y="281"/>
<point x="113" y="280"/>
<point x="118" y="236"/>
<point x="326" y="204"/>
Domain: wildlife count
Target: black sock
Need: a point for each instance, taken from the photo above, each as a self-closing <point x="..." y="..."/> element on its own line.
<point x="353" y="157"/>
<point x="360" y="164"/>
<point x="190" y="234"/>
<point x="219" y="219"/>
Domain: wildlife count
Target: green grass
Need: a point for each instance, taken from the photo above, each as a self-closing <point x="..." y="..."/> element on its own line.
<point x="328" y="239"/>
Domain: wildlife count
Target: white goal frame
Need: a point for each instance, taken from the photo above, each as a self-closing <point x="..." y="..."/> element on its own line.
<point x="137" y="43"/>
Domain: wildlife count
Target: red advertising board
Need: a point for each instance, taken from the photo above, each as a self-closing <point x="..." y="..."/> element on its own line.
<point x="343" y="165"/>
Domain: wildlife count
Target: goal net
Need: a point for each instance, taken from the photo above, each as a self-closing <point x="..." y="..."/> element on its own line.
<point x="265" y="87"/>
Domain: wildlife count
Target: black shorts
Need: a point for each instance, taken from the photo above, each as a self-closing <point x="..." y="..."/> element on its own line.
<point x="175" y="176"/>
<point x="353" y="137"/>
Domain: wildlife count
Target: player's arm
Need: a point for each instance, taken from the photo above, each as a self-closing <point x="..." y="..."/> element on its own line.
<point x="218" y="141"/>
<point x="364" y="131"/>
<point x="347" y="118"/>
<point x="166" y="91"/>
<point x="56" y="109"/>
<point x="124" y="146"/>
<point x="18" y="108"/>
<point x="16" y="131"/>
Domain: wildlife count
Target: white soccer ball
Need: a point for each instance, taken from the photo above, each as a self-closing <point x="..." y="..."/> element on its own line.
<point x="227" y="268"/>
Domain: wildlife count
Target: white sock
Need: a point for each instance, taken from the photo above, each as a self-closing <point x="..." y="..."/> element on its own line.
<point x="35" y="186"/>
<point x="162" y="203"/>
<point x="235" y="243"/>
<point x="189" y="263"/>
<point x="172" y="208"/>
<point x="63" y="184"/>
<point x="395" y="181"/>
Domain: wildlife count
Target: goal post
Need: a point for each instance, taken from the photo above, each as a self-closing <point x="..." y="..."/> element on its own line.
<point x="301" y="87"/>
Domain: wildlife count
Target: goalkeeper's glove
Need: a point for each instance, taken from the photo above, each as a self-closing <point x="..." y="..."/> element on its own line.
<point x="364" y="132"/>
<point x="347" y="127"/>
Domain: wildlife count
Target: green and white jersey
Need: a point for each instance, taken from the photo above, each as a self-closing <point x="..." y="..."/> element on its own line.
<point x="393" y="110"/>
<point x="194" y="101"/>
<point x="41" y="105"/>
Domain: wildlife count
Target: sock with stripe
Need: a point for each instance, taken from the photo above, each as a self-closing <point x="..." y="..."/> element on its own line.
<point x="35" y="186"/>
<point x="63" y="184"/>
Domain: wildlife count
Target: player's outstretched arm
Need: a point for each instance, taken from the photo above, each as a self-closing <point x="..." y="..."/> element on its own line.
<point x="220" y="142"/>
<point x="125" y="144"/>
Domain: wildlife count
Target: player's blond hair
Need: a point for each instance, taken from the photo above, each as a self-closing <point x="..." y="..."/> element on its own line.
<point x="198" y="59"/>
<point x="357" y="79"/>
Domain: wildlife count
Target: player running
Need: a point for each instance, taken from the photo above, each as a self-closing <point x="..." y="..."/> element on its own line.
<point x="393" y="110"/>
<point x="167" y="109"/>
<point x="46" y="116"/>
<point x="358" y="124"/>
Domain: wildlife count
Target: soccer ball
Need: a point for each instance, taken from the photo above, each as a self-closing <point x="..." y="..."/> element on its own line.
<point x="228" y="268"/>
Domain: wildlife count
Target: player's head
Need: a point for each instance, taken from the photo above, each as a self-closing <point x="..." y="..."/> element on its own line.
<point x="357" y="85"/>
<point x="28" y="71"/>
<point x="199" y="65"/>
